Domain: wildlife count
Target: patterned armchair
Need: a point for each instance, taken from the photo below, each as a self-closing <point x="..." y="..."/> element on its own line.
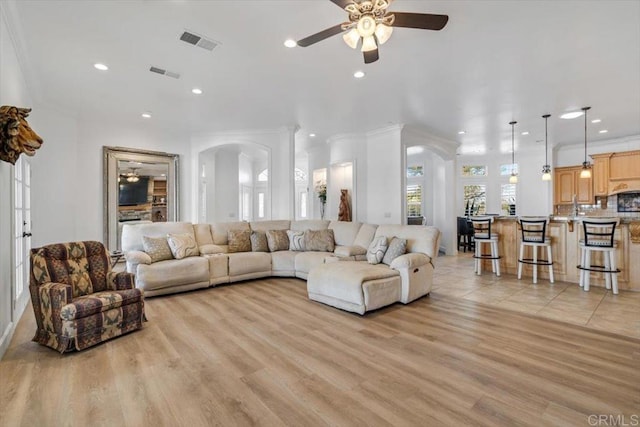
<point x="77" y="300"/>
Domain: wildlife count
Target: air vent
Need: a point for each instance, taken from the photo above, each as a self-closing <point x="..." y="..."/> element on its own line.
<point x="197" y="40"/>
<point x="164" y="72"/>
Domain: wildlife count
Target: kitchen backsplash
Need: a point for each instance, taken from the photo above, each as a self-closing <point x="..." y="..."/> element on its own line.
<point x="598" y="210"/>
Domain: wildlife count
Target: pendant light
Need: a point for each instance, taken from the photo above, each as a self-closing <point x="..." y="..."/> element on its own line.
<point x="513" y="179"/>
<point x="586" y="167"/>
<point x="546" y="169"/>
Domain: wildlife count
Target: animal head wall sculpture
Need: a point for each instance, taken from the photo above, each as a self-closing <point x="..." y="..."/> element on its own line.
<point x="16" y="137"/>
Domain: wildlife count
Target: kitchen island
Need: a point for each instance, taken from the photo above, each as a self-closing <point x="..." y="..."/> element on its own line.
<point x="565" y="233"/>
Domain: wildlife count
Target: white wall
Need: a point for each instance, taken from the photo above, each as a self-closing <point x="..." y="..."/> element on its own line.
<point x="279" y="143"/>
<point x="440" y="156"/>
<point x="384" y="177"/>
<point x="318" y="159"/>
<point x="573" y="155"/>
<point x="533" y="196"/>
<point x="226" y="171"/>
<point x="13" y="91"/>
<point x="347" y="149"/>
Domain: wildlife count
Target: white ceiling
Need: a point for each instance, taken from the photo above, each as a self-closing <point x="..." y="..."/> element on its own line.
<point x="494" y="62"/>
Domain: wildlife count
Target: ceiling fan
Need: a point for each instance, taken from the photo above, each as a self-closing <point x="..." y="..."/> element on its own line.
<point x="370" y="22"/>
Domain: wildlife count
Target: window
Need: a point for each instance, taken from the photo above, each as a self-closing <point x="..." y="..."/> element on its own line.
<point x="508" y="198"/>
<point x="475" y="199"/>
<point x="246" y="203"/>
<point x="474" y="170"/>
<point x="263" y="176"/>
<point x="414" y="200"/>
<point x="303" y="204"/>
<point x="506" y="170"/>
<point x="414" y="171"/>
<point x="261" y="205"/>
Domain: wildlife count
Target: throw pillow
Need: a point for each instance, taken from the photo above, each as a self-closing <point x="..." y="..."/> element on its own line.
<point x="277" y="240"/>
<point x="259" y="241"/>
<point x="157" y="248"/>
<point x="182" y="245"/>
<point x="319" y="240"/>
<point x="376" y="250"/>
<point x="396" y="248"/>
<point x="239" y="240"/>
<point x="296" y="240"/>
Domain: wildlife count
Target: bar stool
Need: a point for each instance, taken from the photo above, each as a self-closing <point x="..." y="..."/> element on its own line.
<point x="465" y="234"/>
<point x="598" y="237"/>
<point x="482" y="234"/>
<point x="534" y="231"/>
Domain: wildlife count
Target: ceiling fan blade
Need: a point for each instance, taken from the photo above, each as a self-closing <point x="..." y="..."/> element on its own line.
<point x="371" y="56"/>
<point x="317" y="37"/>
<point x="341" y="3"/>
<point x="423" y="21"/>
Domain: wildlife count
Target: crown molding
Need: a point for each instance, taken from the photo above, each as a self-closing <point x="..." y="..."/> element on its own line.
<point x="600" y="143"/>
<point x="445" y="148"/>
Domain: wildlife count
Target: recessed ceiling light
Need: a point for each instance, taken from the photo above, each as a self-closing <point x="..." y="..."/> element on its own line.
<point x="358" y="74"/>
<point x="163" y="174"/>
<point x="312" y="135"/>
<point x="196" y="91"/>
<point x="146" y="115"/>
<point x="525" y="133"/>
<point x="572" y="115"/>
<point x="596" y="121"/>
<point x="461" y="132"/>
<point x="290" y="43"/>
<point x="603" y="131"/>
<point x="100" y="67"/>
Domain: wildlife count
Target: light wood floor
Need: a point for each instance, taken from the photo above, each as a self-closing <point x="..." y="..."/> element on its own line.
<point x="598" y="309"/>
<point x="261" y="353"/>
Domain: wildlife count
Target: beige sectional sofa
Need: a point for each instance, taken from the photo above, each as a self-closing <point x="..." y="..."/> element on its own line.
<point x="215" y="265"/>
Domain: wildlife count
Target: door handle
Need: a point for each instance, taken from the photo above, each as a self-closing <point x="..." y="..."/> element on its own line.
<point x="25" y="234"/>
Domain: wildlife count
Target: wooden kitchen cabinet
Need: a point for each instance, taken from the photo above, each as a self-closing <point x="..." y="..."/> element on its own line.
<point x="616" y="172"/>
<point x="567" y="182"/>
<point x="600" y="174"/>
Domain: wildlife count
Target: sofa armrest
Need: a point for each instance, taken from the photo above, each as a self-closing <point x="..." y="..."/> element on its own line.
<point x="120" y="281"/>
<point x="410" y="260"/>
<point x="349" y="251"/>
<point x="134" y="258"/>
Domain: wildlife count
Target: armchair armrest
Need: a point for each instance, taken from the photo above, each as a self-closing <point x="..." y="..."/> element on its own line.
<point x="53" y="296"/>
<point x="120" y="281"/>
<point x="410" y="260"/>
<point x="134" y="258"/>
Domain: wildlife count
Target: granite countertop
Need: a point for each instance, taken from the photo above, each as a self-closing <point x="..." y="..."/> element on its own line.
<point x="562" y="218"/>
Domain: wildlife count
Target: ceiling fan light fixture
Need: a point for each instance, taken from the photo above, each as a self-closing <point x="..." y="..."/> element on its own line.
<point x="366" y="26"/>
<point x="352" y="38"/>
<point x="368" y="44"/>
<point x="383" y="32"/>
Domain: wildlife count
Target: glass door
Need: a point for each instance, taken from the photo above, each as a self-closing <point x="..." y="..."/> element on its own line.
<point x="22" y="227"/>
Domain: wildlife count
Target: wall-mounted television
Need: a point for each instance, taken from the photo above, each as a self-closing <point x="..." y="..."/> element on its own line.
<point x="133" y="193"/>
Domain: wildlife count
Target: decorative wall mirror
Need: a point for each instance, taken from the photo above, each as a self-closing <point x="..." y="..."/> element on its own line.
<point x="138" y="186"/>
